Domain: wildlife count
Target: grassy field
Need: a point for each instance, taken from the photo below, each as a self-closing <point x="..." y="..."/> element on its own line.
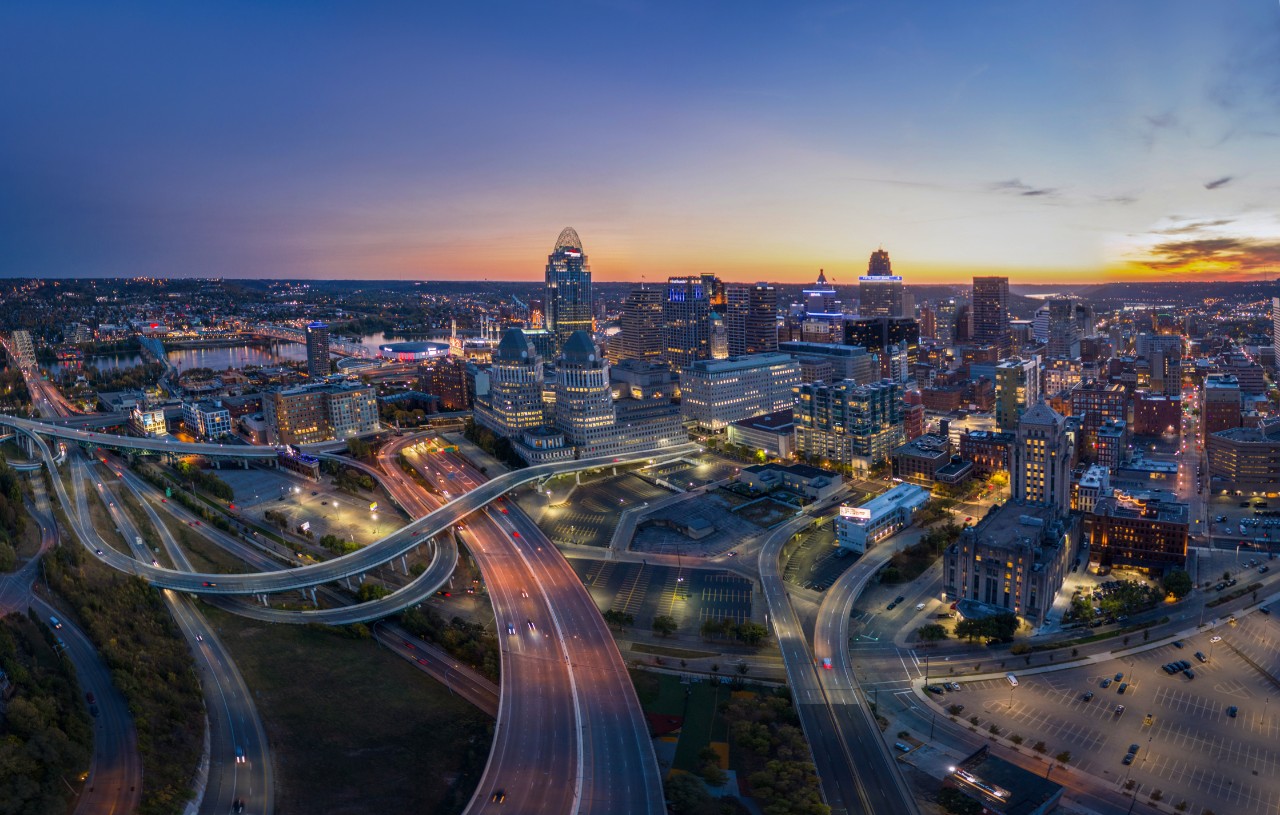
<point x="697" y="702"/>
<point x="353" y="728"/>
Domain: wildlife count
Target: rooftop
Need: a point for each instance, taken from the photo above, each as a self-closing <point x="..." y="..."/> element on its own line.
<point x="998" y="784"/>
<point x="781" y="421"/>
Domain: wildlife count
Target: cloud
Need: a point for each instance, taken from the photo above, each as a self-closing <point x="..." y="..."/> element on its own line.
<point x="1218" y="182"/>
<point x="1225" y="255"/>
<point x="1194" y="227"/>
<point x="1118" y="199"/>
<point x="1018" y="187"/>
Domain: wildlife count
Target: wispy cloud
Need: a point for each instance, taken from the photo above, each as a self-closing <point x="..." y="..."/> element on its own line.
<point x="1194" y="227"/>
<point x="1198" y="255"/>
<point x="1018" y="187"/>
<point x="1219" y="182"/>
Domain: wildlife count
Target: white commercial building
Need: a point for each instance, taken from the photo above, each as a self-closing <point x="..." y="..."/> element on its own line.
<point x="147" y="422"/>
<point x="718" y="392"/>
<point x="860" y="527"/>
<point x="206" y="419"/>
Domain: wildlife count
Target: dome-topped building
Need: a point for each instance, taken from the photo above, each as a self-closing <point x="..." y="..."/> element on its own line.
<point x="567" y="290"/>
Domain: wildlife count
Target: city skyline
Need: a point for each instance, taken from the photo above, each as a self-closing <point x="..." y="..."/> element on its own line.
<point x="1078" y="144"/>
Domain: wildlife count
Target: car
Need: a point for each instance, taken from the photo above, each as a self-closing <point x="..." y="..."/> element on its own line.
<point x="899" y="599"/>
<point x="324" y="503"/>
<point x="498" y="796"/>
<point x="240" y="759"/>
<point x="237" y="805"/>
<point x="98" y="552"/>
<point x="1215" y="638"/>
<point x="1106" y="682"/>
<point x="1188" y="673"/>
<point x="898" y="745"/>
<point x="1263" y="569"/>
<point x="1128" y="759"/>
<point x="1265" y="609"/>
<point x="919" y="606"/>
<point x="1123" y="687"/>
<point x="515" y="534"/>
<point x="199" y="637"/>
<point x="422" y="661"/>
<point x="1148" y="720"/>
<point x="1232" y="711"/>
<point x="733" y="553"/>
<point x="532" y="627"/>
<point x="951" y="686"/>
<point x="1118" y="677"/>
<point x="1220" y="587"/>
<point x="1119" y="710"/>
<point x="155" y="562"/>
<point x="938" y="689"/>
<point x="314" y="492"/>
<point x="826" y="663"/>
<point x="207" y="583"/>
<point x="511" y="629"/>
<point x="1178" y="644"/>
<point x="891" y="606"/>
<point x="1088" y="695"/>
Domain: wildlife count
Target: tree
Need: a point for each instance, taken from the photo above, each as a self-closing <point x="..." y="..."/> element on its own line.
<point x="742" y="668"/>
<point x="664" y="625"/>
<point x="620" y="619"/>
<point x="1064" y="757"/>
<point x="752" y="633"/>
<point x="372" y="591"/>
<point x="1178" y="583"/>
<point x="932" y="632"/>
<point x="357" y="447"/>
<point x="686" y="793"/>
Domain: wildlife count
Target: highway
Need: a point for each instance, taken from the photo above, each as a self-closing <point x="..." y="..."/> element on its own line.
<point x="234" y="723"/>
<point x="858" y="776"/>
<point x="388" y="548"/>
<point x="570" y="735"/>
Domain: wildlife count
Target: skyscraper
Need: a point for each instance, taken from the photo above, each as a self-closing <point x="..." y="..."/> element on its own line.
<point x="751" y="319"/>
<point x="1064" y="329"/>
<point x="991" y="313"/>
<point x="1017" y="389"/>
<point x="820" y="299"/>
<point x="1275" y="328"/>
<point x="567" y="288"/>
<point x="880" y="292"/>
<point x="584" y="403"/>
<point x="686" y="324"/>
<point x="318" y="349"/>
<point x="894" y="339"/>
<point x="1042" y="460"/>
<point x="641" y="334"/>
<point x="514" y="401"/>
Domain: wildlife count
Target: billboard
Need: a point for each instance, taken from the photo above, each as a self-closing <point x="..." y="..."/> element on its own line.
<point x="856" y="513"/>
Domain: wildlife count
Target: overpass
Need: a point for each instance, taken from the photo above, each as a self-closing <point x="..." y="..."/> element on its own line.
<point x="356" y="564"/>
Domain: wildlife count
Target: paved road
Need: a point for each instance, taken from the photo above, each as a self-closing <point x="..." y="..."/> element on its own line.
<point x="114" y="783"/>
<point x="357" y="563"/>
<point x="570" y="736"/>
<point x="856" y="773"/>
<point x="240" y="762"/>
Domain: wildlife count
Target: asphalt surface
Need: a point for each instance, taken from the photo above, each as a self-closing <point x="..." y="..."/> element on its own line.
<point x="851" y="759"/>
<point x="570" y="735"/>
<point x="240" y="762"/>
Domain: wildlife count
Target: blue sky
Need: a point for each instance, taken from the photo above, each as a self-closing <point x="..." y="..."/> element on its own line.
<point x="1083" y="140"/>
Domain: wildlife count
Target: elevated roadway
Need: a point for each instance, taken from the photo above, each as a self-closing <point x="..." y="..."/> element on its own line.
<point x="857" y="774"/>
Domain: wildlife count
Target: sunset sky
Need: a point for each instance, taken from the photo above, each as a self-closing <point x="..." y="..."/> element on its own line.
<point x="1050" y="142"/>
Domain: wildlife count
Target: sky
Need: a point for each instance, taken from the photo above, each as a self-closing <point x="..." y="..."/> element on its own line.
<point x="1052" y="142"/>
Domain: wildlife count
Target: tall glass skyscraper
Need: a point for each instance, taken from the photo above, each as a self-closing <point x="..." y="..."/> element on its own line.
<point x="880" y="291"/>
<point x="318" y="349"/>
<point x="568" y="288"/>
<point x="991" y="313"/>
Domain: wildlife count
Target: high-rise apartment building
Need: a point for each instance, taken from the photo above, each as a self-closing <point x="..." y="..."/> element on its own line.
<point x="1063" y="331"/>
<point x="751" y="318"/>
<point x="514" y="402"/>
<point x="990" y="313"/>
<point x="1096" y="403"/>
<point x="836" y="360"/>
<point x="447" y="379"/>
<point x="318" y="363"/>
<point x="686" y="325"/>
<point x="716" y="393"/>
<point x="1220" y="404"/>
<point x="850" y="425"/>
<point x="1041" y="474"/>
<point x="1275" y="328"/>
<point x="880" y="291"/>
<point x="946" y="310"/>
<point x="567" y="288"/>
<point x="320" y="412"/>
<point x="1017" y="383"/>
<point x="640" y="336"/>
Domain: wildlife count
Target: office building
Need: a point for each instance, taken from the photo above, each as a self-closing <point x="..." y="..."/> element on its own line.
<point x="837" y="360"/>
<point x="447" y="379"/>
<point x="751" y="318"/>
<point x="858" y="528"/>
<point x="1041" y="474"/>
<point x="638" y="379"/>
<point x="514" y="401"/>
<point x="821" y="299"/>
<point x="1092" y="483"/>
<point x="850" y="425"/>
<point x="1112" y="447"/>
<point x="1275" y="329"/>
<point x="800" y="479"/>
<point x="1220" y="405"/>
<point x="715" y="393"/>
<point x="206" y="419"/>
<point x="990" y="313"/>
<point x="880" y="291"/>
<point x="1245" y="460"/>
<point x="1017" y="383"/>
<point x="895" y="340"/>
<point x="919" y="460"/>
<point x="1095" y="402"/>
<point x="989" y="451"/>
<point x="318" y="363"/>
<point x="567" y="289"/>
<point x="1147" y="530"/>
<point x="947" y="310"/>
<point x="686" y="324"/>
<point x="773" y="434"/>
<point x="147" y="422"/>
<point x="1063" y="330"/>
<point x="1155" y="414"/>
<point x="320" y="412"/>
<point x="584" y="402"/>
<point x="640" y="336"/>
<point x="717" y="337"/>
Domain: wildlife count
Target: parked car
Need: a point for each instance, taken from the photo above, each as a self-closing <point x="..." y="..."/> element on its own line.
<point x="1200" y="656"/>
<point x="1087" y="695"/>
<point x="1232" y="711"/>
<point x="1106" y="683"/>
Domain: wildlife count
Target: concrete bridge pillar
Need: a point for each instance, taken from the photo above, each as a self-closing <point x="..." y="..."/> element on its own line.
<point x="404" y="563"/>
<point x="347" y="580"/>
<point x="245" y="462"/>
<point x="263" y="598"/>
<point x="217" y="464"/>
<point x="314" y="603"/>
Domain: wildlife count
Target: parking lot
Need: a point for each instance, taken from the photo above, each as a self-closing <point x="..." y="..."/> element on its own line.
<point x="1192" y="749"/>
<point x="817" y="562"/>
<point x="590" y="515"/>
<point x="694" y="471"/>
<point x="691" y="596"/>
